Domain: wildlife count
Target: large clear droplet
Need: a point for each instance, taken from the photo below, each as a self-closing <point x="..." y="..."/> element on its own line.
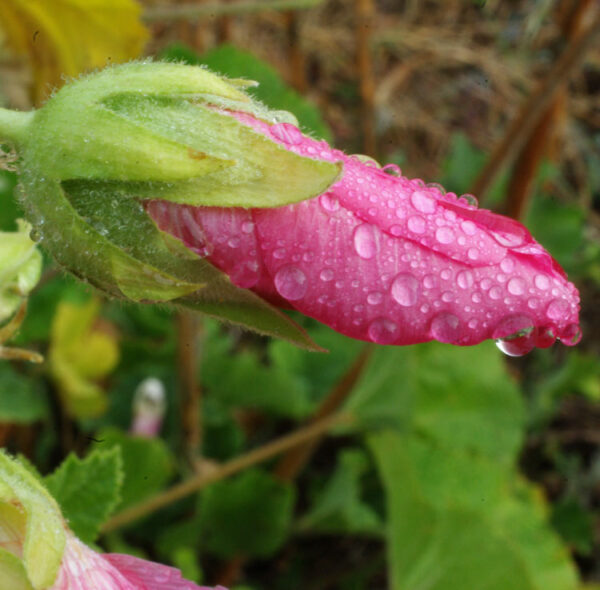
<point x="364" y="241"/>
<point x="291" y="283"/>
<point x="515" y="335"/>
<point x="405" y="290"/>
<point x="445" y="327"/>
<point x="383" y="331"/>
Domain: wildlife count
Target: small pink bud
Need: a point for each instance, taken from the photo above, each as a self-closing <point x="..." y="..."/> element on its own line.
<point x="386" y="259"/>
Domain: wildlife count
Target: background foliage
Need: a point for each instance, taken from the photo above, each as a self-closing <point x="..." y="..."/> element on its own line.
<point x="452" y="468"/>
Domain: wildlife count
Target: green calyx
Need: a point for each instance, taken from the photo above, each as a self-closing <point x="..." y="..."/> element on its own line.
<point x="106" y="142"/>
<point x="32" y="527"/>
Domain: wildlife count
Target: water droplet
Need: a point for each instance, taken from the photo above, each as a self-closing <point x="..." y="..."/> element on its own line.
<point x="326" y="275"/>
<point x="392" y="170"/>
<point x="437" y="186"/>
<point x="444" y="235"/>
<point x="405" y="290"/>
<point x="571" y="335"/>
<point x="287" y="133"/>
<point x="445" y="327"/>
<point x="396" y="230"/>
<point x="416" y="224"/>
<point x="516" y="335"/>
<point x="476" y="297"/>
<point x="279" y="253"/>
<point x="383" y="331"/>
<point x="557" y="309"/>
<point x="473" y="253"/>
<point x="495" y="293"/>
<point x="446" y="274"/>
<point x="447" y="296"/>
<point x="364" y="241"/>
<point x="233" y="242"/>
<point x="546" y="337"/>
<point x="374" y="298"/>
<point x="464" y="279"/>
<point x="507" y="265"/>
<point x="329" y="202"/>
<point x="533" y="303"/>
<point x="430" y="281"/>
<point x="248" y="227"/>
<point x="509" y="239"/>
<point x="542" y="282"/>
<point x="469" y="199"/>
<point x="516" y="286"/>
<point x="291" y="283"/>
<point x="468" y="227"/>
<point x="422" y="202"/>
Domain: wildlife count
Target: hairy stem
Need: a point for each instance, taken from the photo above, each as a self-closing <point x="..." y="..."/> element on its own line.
<point x="195" y="11"/>
<point x="14" y="125"/>
<point x="236" y="465"/>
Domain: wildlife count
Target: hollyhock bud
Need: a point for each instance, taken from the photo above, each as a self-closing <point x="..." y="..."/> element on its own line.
<point x="39" y="552"/>
<point x="288" y="220"/>
<point x="386" y="259"/>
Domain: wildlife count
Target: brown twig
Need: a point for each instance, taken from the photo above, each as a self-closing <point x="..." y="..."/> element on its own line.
<point x="541" y="139"/>
<point x="188" y="328"/>
<point x="197" y="482"/>
<point x="197" y="11"/>
<point x="296" y="60"/>
<point x="365" y="12"/>
<point x="534" y="108"/>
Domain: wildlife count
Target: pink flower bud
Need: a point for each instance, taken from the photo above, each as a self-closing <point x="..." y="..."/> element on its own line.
<point x="386" y="259"/>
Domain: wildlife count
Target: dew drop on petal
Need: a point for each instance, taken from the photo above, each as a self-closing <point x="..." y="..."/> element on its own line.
<point x="507" y="265"/>
<point x="445" y="327"/>
<point x="430" y="281"/>
<point x="468" y="227"/>
<point x="469" y="199"/>
<point x="374" y="298"/>
<point x="329" y="203"/>
<point x="542" y="282"/>
<point x="416" y="224"/>
<point x="405" y="290"/>
<point x="516" y="286"/>
<point x="473" y="253"/>
<point x="422" y="202"/>
<point x="364" y="241"/>
<point x="464" y="279"/>
<point x="515" y="335"/>
<point x="291" y="283"/>
<point x="557" y="309"/>
<point x="444" y="235"/>
<point x="571" y="335"/>
<point x="383" y="331"/>
<point x="247" y="227"/>
<point x="326" y="275"/>
<point x="495" y="293"/>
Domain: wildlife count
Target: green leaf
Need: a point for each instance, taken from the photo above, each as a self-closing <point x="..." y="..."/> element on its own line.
<point x="21" y="398"/>
<point x="272" y="90"/>
<point x="147" y="463"/>
<point x="87" y="490"/>
<point x="339" y="508"/>
<point x="456" y="522"/>
<point x="248" y="515"/>
<point x="460" y="397"/>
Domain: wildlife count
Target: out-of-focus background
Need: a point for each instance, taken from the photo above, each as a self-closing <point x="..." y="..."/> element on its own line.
<point x="462" y="468"/>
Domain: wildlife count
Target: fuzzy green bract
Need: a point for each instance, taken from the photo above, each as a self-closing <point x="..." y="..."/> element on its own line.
<point x="105" y="143"/>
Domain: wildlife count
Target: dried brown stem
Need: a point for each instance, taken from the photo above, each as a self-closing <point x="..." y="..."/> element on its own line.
<point x="365" y="12"/>
<point x="534" y="108"/>
<point x="197" y="482"/>
<point x="540" y="140"/>
<point x="198" y="11"/>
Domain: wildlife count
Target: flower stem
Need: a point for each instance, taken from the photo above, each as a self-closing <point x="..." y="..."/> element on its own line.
<point x="201" y="480"/>
<point x="14" y="125"/>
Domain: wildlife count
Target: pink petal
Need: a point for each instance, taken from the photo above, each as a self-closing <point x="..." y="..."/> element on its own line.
<point x="82" y="568"/>
<point x="148" y="575"/>
<point x="386" y="259"/>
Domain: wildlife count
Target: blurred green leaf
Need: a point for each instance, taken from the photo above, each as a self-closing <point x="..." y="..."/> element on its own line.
<point x="248" y="515"/>
<point x="460" y="397"/>
<point x="21" y="398"/>
<point x="458" y="521"/>
<point x="272" y="90"/>
<point x="147" y="463"/>
<point x="87" y="490"/>
<point x="339" y="508"/>
<point x="574" y="524"/>
<point x="9" y="208"/>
